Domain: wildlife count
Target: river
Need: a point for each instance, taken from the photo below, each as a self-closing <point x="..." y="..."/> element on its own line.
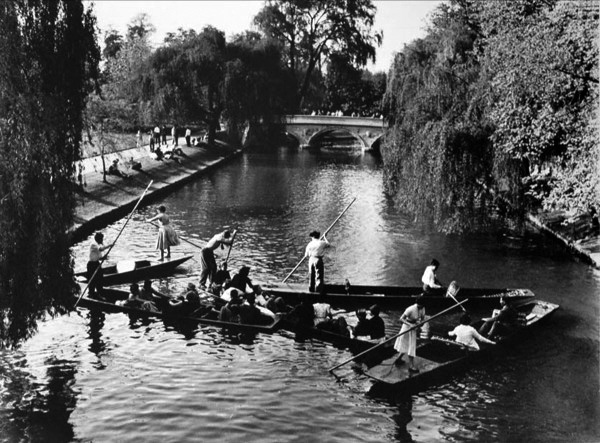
<point x="86" y="377"/>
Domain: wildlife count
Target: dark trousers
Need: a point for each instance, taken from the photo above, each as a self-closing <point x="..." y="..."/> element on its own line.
<point x="316" y="272"/>
<point x="208" y="265"/>
<point x="95" y="283"/>
<point x="188" y="139"/>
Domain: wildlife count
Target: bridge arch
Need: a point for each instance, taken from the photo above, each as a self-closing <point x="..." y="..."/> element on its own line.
<point x="308" y="128"/>
<point x="328" y="130"/>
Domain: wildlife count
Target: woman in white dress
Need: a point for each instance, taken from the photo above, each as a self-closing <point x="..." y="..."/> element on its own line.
<point x="407" y="343"/>
<point x="167" y="236"/>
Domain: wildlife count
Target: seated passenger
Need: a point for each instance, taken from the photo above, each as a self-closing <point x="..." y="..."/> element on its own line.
<point x="249" y="313"/>
<point x="188" y="303"/>
<point x="363" y="327"/>
<point x="278" y="305"/>
<point x="303" y="314"/>
<point x="222" y="277"/>
<point x="500" y="321"/>
<point x="241" y="280"/>
<point x="324" y="312"/>
<point x="467" y="334"/>
<point x="376" y="323"/>
<point x="336" y="325"/>
<point x="136" y="301"/>
<point x="231" y="311"/>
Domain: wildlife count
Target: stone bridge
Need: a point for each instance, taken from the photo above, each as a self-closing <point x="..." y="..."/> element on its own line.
<point x="307" y="129"/>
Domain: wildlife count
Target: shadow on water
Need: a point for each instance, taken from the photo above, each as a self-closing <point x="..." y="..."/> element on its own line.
<point x="34" y="411"/>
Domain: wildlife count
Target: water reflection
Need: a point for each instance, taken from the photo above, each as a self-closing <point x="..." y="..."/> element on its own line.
<point x="37" y="410"/>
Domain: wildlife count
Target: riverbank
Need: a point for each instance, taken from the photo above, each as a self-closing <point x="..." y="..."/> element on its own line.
<point x="100" y="203"/>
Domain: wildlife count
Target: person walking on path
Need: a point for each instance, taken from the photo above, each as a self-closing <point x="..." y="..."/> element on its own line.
<point x="94" y="265"/>
<point x="188" y="137"/>
<point x="174" y="137"/>
<point x="316" y="270"/>
<point x="138" y="139"/>
<point x="207" y="257"/>
<point x="407" y="343"/>
<point x="163" y="134"/>
<point x="167" y="236"/>
<point x="156" y="136"/>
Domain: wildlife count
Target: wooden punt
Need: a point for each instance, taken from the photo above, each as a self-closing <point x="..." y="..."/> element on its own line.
<point x="393" y="297"/>
<point x="439" y="357"/>
<point x="136" y="271"/>
<point x="111" y="295"/>
<point x="354" y="345"/>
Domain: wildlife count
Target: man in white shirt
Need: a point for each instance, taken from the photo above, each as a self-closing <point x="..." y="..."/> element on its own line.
<point x="430" y="282"/>
<point x="207" y="257"/>
<point x="94" y="264"/>
<point x="316" y="271"/>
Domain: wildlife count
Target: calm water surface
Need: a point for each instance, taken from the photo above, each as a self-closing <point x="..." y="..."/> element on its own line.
<point x="105" y="378"/>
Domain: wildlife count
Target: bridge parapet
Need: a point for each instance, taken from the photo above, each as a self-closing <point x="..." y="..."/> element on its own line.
<point x="308" y="128"/>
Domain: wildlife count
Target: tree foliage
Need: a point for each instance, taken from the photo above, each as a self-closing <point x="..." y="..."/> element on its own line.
<point x="49" y="54"/>
<point x="310" y="31"/>
<point x="495" y="93"/>
<point x="200" y="77"/>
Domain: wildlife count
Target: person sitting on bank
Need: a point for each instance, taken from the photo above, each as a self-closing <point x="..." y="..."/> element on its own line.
<point x="114" y="169"/>
<point x="431" y="284"/>
<point x="500" y="321"/>
<point x="316" y="270"/>
<point x="467" y="334"/>
<point x="376" y="323"/>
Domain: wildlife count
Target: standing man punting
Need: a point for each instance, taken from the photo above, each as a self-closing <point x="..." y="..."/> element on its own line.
<point x="316" y="270"/>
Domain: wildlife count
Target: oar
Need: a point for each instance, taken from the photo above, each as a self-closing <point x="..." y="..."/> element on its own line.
<point x="180" y="237"/>
<point x="230" y="246"/>
<point x="114" y="242"/>
<point x="324" y="234"/>
<point x="398" y="335"/>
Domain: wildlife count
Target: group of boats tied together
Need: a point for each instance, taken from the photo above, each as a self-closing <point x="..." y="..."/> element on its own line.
<point x="345" y="315"/>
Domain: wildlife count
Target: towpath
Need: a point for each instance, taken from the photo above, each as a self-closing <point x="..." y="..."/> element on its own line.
<point x="102" y="202"/>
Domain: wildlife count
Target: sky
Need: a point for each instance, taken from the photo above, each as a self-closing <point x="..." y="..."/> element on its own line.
<point x="400" y="20"/>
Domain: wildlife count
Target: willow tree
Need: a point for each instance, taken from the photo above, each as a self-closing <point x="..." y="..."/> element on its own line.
<point x="49" y="54"/>
<point x="311" y="30"/>
<point x="437" y="155"/>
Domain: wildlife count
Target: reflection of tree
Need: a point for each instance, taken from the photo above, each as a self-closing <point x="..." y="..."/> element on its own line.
<point x="97" y="345"/>
<point x="33" y="412"/>
<point x="402" y="418"/>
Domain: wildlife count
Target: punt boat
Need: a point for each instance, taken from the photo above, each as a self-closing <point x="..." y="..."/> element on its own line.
<point x="355" y="345"/>
<point x="110" y="296"/>
<point x="393" y="297"/>
<point x="439" y="357"/>
<point x="130" y="271"/>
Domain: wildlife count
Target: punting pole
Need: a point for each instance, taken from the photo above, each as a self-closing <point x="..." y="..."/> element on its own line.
<point x="398" y="335"/>
<point x="230" y="246"/>
<point x="114" y="242"/>
<point x="180" y="238"/>
<point x="324" y="234"/>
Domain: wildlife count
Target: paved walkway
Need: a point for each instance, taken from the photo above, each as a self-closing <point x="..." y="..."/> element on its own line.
<point x="102" y="202"/>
